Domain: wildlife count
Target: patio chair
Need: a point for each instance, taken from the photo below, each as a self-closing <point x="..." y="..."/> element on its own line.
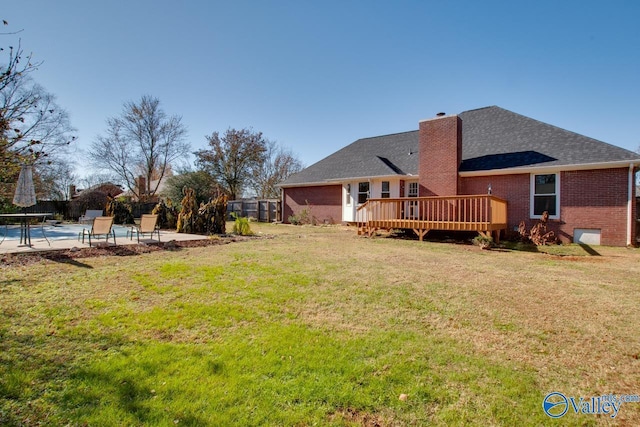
<point x="90" y="215"/>
<point x="148" y="224"/>
<point x="102" y="226"/>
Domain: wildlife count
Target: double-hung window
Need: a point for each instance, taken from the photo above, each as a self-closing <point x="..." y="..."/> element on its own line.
<point x="385" y="193"/>
<point x="413" y="189"/>
<point x="545" y="195"/>
<point x="363" y="192"/>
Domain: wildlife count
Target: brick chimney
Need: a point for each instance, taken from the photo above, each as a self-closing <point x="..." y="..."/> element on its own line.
<point x="142" y="186"/>
<point x="440" y="155"/>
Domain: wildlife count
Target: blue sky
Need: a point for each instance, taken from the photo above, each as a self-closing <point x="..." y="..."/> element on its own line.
<point x="315" y="76"/>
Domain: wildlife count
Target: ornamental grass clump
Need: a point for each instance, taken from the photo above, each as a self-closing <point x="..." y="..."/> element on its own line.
<point x="241" y="225"/>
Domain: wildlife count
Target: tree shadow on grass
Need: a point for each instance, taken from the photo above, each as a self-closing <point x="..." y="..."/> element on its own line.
<point x="41" y="380"/>
<point x="66" y="259"/>
<point x="519" y="246"/>
<point x="121" y="385"/>
<point x="35" y="368"/>
<point x="590" y="250"/>
<point x="10" y="282"/>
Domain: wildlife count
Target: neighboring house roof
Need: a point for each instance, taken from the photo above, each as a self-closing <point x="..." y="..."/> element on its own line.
<point x="161" y="183"/>
<point x="492" y="138"/>
<point x="104" y="187"/>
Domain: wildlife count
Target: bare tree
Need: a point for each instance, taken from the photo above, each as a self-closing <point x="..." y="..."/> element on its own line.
<point x="141" y="141"/>
<point x="279" y="163"/>
<point x="232" y="158"/>
<point x="33" y="128"/>
<point x="55" y="180"/>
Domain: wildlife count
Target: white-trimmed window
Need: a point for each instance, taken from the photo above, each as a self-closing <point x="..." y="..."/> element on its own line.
<point x="413" y="189"/>
<point x="412" y="210"/>
<point x="347" y="199"/>
<point x="386" y="192"/>
<point x="363" y="192"/>
<point x="545" y="195"/>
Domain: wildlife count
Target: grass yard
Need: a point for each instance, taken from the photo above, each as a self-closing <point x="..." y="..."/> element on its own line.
<point x="317" y="326"/>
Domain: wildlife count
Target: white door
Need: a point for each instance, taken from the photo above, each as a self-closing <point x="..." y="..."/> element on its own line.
<point x="348" y="205"/>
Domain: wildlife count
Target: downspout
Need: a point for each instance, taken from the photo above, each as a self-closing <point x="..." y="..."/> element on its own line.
<point x="282" y="199"/>
<point x="630" y="219"/>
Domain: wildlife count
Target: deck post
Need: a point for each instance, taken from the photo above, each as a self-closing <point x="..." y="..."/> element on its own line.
<point x="421" y="233"/>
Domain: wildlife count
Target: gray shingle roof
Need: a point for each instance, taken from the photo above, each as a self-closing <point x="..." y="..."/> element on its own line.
<point x="495" y="138"/>
<point x="492" y="138"/>
<point x="387" y="155"/>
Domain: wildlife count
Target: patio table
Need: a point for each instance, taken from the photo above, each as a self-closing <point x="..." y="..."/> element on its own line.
<point x="25" y="227"/>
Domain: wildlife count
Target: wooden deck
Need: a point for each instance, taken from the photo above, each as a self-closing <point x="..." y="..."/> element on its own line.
<point x="484" y="213"/>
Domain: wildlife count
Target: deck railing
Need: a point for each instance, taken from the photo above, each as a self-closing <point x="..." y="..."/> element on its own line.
<point x="482" y="213"/>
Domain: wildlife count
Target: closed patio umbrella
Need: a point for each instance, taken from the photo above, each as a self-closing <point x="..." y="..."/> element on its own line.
<point x="25" y="191"/>
<point x="25" y="196"/>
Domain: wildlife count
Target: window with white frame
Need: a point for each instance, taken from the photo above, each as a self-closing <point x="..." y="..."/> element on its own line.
<point x="545" y="195"/>
<point x="386" y="192"/>
<point x="413" y="189"/>
<point x="412" y="210"/>
<point x="363" y="192"/>
<point x="348" y="195"/>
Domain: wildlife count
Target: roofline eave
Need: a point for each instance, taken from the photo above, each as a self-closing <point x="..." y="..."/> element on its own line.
<point x="335" y="181"/>
<point x="552" y="168"/>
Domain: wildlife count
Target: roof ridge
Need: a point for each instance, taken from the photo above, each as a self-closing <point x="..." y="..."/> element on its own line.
<point x="482" y="108"/>
<point x="388" y="134"/>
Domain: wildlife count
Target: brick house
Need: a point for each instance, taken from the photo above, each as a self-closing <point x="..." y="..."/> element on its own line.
<point x="444" y="170"/>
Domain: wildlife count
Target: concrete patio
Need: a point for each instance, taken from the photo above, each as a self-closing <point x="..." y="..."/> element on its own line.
<point x="38" y="244"/>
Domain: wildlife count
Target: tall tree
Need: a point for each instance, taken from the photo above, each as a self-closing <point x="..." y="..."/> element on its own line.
<point x="33" y="128"/>
<point x="144" y="141"/>
<point x="204" y="186"/>
<point x="279" y="163"/>
<point x="233" y="158"/>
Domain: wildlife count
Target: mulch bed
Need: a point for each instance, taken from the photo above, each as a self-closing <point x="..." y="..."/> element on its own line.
<point x="68" y="255"/>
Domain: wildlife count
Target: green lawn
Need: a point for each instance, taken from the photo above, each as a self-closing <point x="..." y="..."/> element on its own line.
<point x="317" y="326"/>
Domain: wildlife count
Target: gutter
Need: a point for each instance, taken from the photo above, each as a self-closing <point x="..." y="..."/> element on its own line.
<point x="336" y="181"/>
<point x="550" y="169"/>
<point x="307" y="184"/>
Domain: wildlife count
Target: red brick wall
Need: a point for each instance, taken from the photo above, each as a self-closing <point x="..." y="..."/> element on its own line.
<point x="595" y="199"/>
<point x="440" y="156"/>
<point x="325" y="202"/>
<point x="513" y="188"/>
<point x="588" y="199"/>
